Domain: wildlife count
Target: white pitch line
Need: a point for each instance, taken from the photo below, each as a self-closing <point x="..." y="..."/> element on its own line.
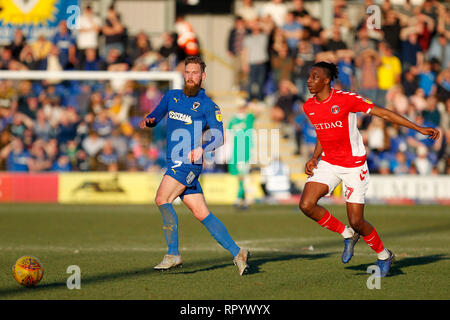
<point x="254" y="245"/>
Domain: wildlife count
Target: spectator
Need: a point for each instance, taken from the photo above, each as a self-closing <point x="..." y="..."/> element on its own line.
<point x="389" y="72"/>
<point x="65" y="42"/>
<point x="6" y="58"/>
<point x="427" y="78"/>
<point x="67" y="129"/>
<point x="41" y="49"/>
<point x="247" y="11"/>
<point x="39" y="160"/>
<point x="431" y="113"/>
<point x="17" y="157"/>
<point x="377" y="136"/>
<point x="120" y="144"/>
<point x="391" y="31"/>
<point x="114" y="31"/>
<point x="52" y="63"/>
<point x="283" y="110"/>
<point x="18" y="43"/>
<point x="90" y="27"/>
<point x="298" y="8"/>
<point x="440" y="49"/>
<point x="141" y="49"/>
<point x="108" y="159"/>
<point x="235" y="45"/>
<point x="254" y="59"/>
<point x="335" y="42"/>
<point x="8" y="95"/>
<point x="280" y="60"/>
<point x="93" y="144"/>
<point x="315" y="32"/>
<point x="20" y="123"/>
<point x="149" y="99"/>
<point x="367" y="63"/>
<point x="292" y="31"/>
<point x="422" y="163"/>
<point x="443" y="85"/>
<point x="102" y="124"/>
<point x="396" y="100"/>
<point x="92" y="62"/>
<point x="27" y="59"/>
<point x="409" y="82"/>
<point x="82" y="161"/>
<point x="425" y="27"/>
<point x="277" y="10"/>
<point x="169" y="49"/>
<point x="305" y="134"/>
<point x="115" y="61"/>
<point x="346" y="75"/>
<point x="400" y="164"/>
<point x="62" y="164"/>
<point x="303" y="62"/>
<point x="418" y="100"/>
<point x="187" y="39"/>
<point x="363" y="43"/>
<point x="411" y="52"/>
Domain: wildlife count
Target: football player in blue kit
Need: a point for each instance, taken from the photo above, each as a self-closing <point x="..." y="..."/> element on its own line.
<point x="190" y="113"/>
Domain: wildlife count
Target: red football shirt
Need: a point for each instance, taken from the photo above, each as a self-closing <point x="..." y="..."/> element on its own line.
<point x="335" y="122"/>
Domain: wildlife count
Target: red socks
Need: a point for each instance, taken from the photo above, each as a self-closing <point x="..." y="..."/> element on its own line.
<point x="331" y="223"/>
<point x="374" y="241"/>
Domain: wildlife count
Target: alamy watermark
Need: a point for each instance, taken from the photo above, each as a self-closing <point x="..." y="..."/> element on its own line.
<point x="373" y="22"/>
<point x="262" y="143"/>
<point x="374" y="281"/>
<point x="74" y="280"/>
<point x="73" y="20"/>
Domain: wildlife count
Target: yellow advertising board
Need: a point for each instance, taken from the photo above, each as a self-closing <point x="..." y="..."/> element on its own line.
<point x="141" y="187"/>
<point x="107" y="187"/>
<point x="219" y="188"/>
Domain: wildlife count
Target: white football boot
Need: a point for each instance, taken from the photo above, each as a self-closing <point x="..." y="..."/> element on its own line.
<point x="241" y="261"/>
<point x="169" y="261"/>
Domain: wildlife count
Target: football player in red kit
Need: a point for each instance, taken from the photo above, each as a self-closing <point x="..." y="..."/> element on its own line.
<point x="343" y="158"/>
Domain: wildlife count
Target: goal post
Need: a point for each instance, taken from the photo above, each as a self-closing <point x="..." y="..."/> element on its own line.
<point x="174" y="78"/>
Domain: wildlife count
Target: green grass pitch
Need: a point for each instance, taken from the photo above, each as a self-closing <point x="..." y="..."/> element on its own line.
<point x="293" y="258"/>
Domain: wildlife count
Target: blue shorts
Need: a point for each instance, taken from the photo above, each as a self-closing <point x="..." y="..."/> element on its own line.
<point x="186" y="174"/>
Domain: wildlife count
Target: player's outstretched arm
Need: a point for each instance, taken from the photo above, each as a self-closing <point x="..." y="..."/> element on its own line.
<point x="153" y="118"/>
<point x="395" y="118"/>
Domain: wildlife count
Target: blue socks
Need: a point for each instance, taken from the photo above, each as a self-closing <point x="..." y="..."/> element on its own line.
<point x="214" y="226"/>
<point x="170" y="227"/>
<point x="220" y="233"/>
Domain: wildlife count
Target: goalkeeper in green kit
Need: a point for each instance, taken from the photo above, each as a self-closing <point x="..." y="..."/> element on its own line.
<point x="241" y="128"/>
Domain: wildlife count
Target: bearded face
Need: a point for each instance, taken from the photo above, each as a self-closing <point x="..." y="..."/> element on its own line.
<point x="193" y="77"/>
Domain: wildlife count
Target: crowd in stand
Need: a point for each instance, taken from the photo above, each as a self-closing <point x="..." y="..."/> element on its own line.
<point x="403" y="65"/>
<point x="61" y="125"/>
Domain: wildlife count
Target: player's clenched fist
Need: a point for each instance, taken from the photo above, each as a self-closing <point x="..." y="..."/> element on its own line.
<point x="310" y="166"/>
<point x="145" y="122"/>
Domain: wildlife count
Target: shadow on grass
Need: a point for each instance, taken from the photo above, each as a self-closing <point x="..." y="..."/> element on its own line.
<point x="259" y="261"/>
<point x="43" y="287"/>
<point x="402" y="263"/>
<point x="195" y="267"/>
<point x="256" y="260"/>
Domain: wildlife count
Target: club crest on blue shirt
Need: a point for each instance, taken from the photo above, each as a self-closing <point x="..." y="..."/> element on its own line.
<point x="195" y="106"/>
<point x="335" y="109"/>
<point x="218" y="115"/>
